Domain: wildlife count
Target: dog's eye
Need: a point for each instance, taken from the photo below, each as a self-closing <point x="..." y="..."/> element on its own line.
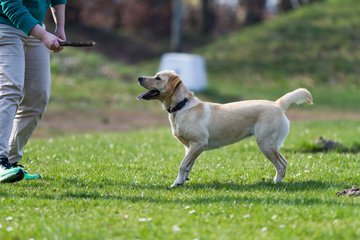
<point x="158" y="78"/>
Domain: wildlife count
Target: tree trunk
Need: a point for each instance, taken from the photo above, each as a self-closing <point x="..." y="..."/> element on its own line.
<point x="176" y="26"/>
<point x="208" y="16"/>
<point x="254" y="10"/>
<point x="285" y="5"/>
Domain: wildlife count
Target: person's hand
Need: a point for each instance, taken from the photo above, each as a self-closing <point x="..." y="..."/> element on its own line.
<point x="52" y="42"/>
<point x="60" y="33"/>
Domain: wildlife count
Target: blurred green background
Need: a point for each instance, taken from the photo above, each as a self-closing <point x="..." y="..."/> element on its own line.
<point x="311" y="45"/>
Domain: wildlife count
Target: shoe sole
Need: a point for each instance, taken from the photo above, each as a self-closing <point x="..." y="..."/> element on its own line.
<point x="14" y="177"/>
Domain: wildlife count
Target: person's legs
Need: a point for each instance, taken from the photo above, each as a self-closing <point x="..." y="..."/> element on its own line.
<point x="12" y="64"/>
<point x="36" y="96"/>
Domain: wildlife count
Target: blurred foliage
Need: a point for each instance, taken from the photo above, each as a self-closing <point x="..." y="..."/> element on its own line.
<point x="313" y="47"/>
<point x="154" y="16"/>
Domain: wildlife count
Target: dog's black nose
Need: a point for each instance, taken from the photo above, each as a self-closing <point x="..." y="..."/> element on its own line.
<point x="140" y="79"/>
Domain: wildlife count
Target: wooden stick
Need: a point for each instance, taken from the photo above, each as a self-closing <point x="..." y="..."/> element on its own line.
<point x="77" y="44"/>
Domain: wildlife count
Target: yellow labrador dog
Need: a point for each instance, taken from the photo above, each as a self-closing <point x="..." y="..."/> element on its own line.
<point x="202" y="126"/>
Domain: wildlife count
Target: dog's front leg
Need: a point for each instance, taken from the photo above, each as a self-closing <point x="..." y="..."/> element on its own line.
<point x="188" y="172"/>
<point x="191" y="154"/>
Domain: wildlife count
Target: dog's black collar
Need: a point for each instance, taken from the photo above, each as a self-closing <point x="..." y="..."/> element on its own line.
<point x="178" y="106"/>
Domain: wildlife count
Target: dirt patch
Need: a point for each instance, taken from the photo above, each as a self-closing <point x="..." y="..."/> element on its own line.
<point x="351" y="192"/>
<point x="57" y="123"/>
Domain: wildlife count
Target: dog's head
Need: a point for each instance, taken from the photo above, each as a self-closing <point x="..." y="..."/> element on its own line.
<point x="160" y="86"/>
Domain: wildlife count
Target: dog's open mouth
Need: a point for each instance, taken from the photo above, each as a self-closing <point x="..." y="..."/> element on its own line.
<point x="149" y="95"/>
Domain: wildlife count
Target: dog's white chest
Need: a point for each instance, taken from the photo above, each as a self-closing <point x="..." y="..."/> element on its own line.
<point x="175" y="126"/>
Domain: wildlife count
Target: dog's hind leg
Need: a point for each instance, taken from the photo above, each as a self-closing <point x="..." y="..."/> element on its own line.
<point x="270" y="147"/>
<point x="280" y="163"/>
<point x="269" y="137"/>
<point x="191" y="155"/>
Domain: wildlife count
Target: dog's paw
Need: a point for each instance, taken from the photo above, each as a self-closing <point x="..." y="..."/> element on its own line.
<point x="177" y="184"/>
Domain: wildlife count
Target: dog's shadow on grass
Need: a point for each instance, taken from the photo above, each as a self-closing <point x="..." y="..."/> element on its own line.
<point x="264" y="185"/>
<point x="263" y="192"/>
<point x="299" y="186"/>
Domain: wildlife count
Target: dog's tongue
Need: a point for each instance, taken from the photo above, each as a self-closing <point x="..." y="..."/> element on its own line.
<point x="140" y="96"/>
<point x="148" y="95"/>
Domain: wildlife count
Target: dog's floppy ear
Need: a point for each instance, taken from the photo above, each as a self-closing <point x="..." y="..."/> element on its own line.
<point x="173" y="83"/>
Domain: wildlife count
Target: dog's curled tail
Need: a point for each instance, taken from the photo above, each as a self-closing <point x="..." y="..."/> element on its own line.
<point x="297" y="96"/>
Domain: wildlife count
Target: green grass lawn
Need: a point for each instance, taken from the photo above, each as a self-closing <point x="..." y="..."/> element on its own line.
<point x="116" y="186"/>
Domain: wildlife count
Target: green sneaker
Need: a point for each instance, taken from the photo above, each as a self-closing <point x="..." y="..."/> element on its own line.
<point x="8" y="173"/>
<point x="28" y="176"/>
